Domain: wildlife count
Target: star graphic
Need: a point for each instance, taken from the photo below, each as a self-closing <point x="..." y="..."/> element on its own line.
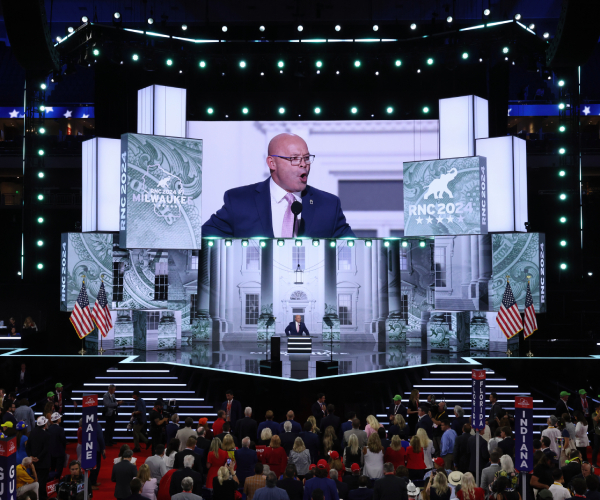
<point x="429" y="220"/>
<point x="68" y="114"/>
<point x="419" y="220"/>
<point x="460" y="218"/>
<point x="440" y="219"/>
<point x="586" y="110"/>
<point x="85" y="116"/>
<point x="509" y="110"/>
<point x="450" y="218"/>
<point x="14" y="113"/>
<point x="49" y="109"/>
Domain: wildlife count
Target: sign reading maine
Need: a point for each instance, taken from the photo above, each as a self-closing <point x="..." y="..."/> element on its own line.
<point x="445" y="197"/>
<point x="161" y="193"/>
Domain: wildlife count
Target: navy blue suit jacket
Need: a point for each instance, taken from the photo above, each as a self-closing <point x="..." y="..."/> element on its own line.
<point x="246" y="213"/>
<point x="291" y="329"/>
<point x="426" y="424"/>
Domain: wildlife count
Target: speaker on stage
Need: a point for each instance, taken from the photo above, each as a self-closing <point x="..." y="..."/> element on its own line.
<point x="275" y="348"/>
<point x="327" y="368"/>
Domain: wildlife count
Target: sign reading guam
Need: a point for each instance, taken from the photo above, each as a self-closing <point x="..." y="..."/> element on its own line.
<point x="445" y="197"/>
<point x="163" y="192"/>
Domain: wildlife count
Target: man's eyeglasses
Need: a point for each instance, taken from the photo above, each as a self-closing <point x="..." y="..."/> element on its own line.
<point x="297" y="160"/>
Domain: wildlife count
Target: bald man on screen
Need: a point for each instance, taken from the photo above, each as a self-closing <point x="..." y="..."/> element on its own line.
<point x="265" y="209"/>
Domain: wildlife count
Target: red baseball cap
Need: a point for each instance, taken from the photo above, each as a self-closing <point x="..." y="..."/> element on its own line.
<point x="355" y="467"/>
<point x="322" y="464"/>
<point x="312" y="466"/>
<point x="439" y="461"/>
<point x="334" y="455"/>
<point x="202" y="421"/>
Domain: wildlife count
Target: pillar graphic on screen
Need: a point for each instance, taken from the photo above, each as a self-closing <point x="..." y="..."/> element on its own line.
<point x="8" y="464"/>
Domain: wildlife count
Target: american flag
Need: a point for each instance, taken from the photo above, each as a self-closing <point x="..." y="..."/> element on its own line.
<point x="81" y="317"/>
<point x="101" y="314"/>
<point x="509" y="318"/>
<point x="530" y="323"/>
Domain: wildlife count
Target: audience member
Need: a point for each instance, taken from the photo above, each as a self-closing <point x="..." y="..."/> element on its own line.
<point x="25" y="414"/>
<point x="501" y="490"/>
<point x="507" y="445"/>
<point x="389" y="487"/>
<point x="246" y="427"/>
<point x="25" y="481"/>
<point x="373" y="457"/>
<point x="172" y="427"/>
<point x="331" y="420"/>
<point x="187" y="485"/>
<point x="489" y="473"/>
<point x="483" y="453"/>
<point x="318" y="408"/>
<point x="427" y="446"/>
<point x="372" y="426"/>
<point x="38" y="448"/>
<point x="353" y="453"/>
<point x="135" y="485"/>
<point x="71" y="484"/>
<point x="342" y="488"/>
<point x="189" y="450"/>
<point x="571" y="469"/>
<point x="186" y="471"/>
<point x="493" y="442"/>
<point x="553" y="434"/>
<point x="57" y="445"/>
<point x="149" y="483"/>
<point x="559" y="492"/>
<point x="347" y="425"/>
<point x="232" y="408"/>
<point x="171" y="453"/>
<point x="273" y="426"/>
<point x="218" y="423"/>
<point x="398" y="428"/>
<point x="288" y="437"/>
<point x="352" y="479"/>
<point x="226" y="431"/>
<point x="311" y="441"/>
<point x="334" y="463"/>
<point x="593" y="483"/>
<point x="581" y="434"/>
<point x="360" y="434"/>
<point x="202" y="443"/>
<point x="437" y="487"/>
<point x="299" y="457"/>
<point x="296" y="427"/>
<point x="455" y="480"/>
<point x="139" y="423"/>
<point x="245" y="460"/>
<point x="459" y="420"/>
<point x="22" y="436"/>
<point x="217" y="458"/>
<point x="330" y="441"/>
<point x="469" y="490"/>
<point x="424" y="421"/>
<point x="541" y="479"/>
<point x="277" y="458"/>
<point x="385" y="442"/>
<point x="507" y="469"/>
<point x="437" y="414"/>
<point x="438" y="465"/>
<point x="447" y="443"/>
<point x="320" y="481"/>
<point x="363" y="491"/>
<point x="545" y="447"/>
<point x="158" y="424"/>
<point x="122" y="474"/>
<point x="253" y="483"/>
<point x="225" y="484"/>
<point x="578" y="487"/>
<point x="415" y="462"/>
<point x="156" y="463"/>
<point x="110" y="410"/>
<point x="395" y="453"/>
<point x="291" y="484"/>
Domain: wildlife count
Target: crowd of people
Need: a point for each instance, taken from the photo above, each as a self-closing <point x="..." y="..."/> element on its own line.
<point x="421" y="453"/>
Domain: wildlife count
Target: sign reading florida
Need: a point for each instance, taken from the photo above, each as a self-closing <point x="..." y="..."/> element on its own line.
<point x="161" y="188"/>
<point x="445" y="197"/>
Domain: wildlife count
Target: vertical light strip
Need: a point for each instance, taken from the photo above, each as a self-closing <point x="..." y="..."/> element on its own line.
<point x="580" y="168"/>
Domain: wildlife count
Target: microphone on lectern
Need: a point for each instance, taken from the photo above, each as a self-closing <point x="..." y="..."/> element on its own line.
<point x="296" y="210"/>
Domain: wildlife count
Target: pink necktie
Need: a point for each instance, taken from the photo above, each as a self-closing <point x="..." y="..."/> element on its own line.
<point x="288" y="218"/>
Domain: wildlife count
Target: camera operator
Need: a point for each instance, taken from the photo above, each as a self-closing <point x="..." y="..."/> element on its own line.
<point x="71" y="487"/>
<point x="158" y="424"/>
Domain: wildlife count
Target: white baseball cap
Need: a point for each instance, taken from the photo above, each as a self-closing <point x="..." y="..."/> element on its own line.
<point x="41" y="421"/>
<point x="55" y="416"/>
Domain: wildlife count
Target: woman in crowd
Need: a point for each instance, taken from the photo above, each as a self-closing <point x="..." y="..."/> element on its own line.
<point x="30" y="324"/>
<point x="172" y="450"/>
<point x="437" y="486"/>
<point x="203" y="422"/>
<point x="278" y="457"/>
<point x="335" y="463"/>
<point x="265" y="437"/>
<point x="399" y="428"/>
<point x="373" y="456"/>
<point x="330" y="442"/>
<point x="427" y="446"/>
<point x="263" y="448"/>
<point x="120" y="456"/>
<point x="507" y="469"/>
<point x="229" y="446"/>
<point x="22" y="436"/>
<point x="149" y="486"/>
<point x="413" y="410"/>
<point x="372" y="425"/>
<point x="469" y="490"/>
<point x="541" y="479"/>
<point x="415" y="462"/>
<point x="217" y="458"/>
<point x="395" y="453"/>
<point x="300" y="457"/>
<point x="501" y="490"/>
<point x="313" y="421"/>
<point x="581" y="434"/>
<point x="225" y="484"/>
<point x="507" y="444"/>
<point x="352" y="453"/>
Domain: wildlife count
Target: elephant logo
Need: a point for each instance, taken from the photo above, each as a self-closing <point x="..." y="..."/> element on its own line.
<point x="438" y="187"/>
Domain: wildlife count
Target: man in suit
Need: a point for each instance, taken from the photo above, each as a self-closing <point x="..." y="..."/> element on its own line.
<point x="24" y="380"/>
<point x="496" y="413"/>
<point x="296" y="327"/>
<point x="271" y="491"/>
<point x="245" y="460"/>
<point x="318" y="409"/>
<point x="396" y="408"/>
<point x="562" y="405"/>
<point x="58" y="445"/>
<point x="425" y="421"/>
<point x="352" y="479"/>
<point x="364" y="490"/>
<point x="484" y="454"/>
<point x="322" y="482"/>
<point x="583" y="404"/>
<point x="265" y="209"/>
<point x="361" y="435"/>
<point x="140" y="422"/>
<point x="38" y="446"/>
<point x="122" y="474"/>
<point x="227" y="430"/>
<point x="311" y="441"/>
<point x="389" y="487"/>
<point x="172" y="428"/>
<point x="25" y="413"/>
<point x="274" y="426"/>
<point x="187" y="485"/>
<point x="296" y="427"/>
<point x="292" y="486"/>
<point x="188" y="469"/>
<point x="342" y="487"/>
<point x="488" y="474"/>
<point x="111" y="406"/>
<point x="185" y="433"/>
<point x="347" y="425"/>
<point x="232" y="409"/>
<point x="203" y="444"/>
<point x="136" y="490"/>
<point x="288" y="437"/>
<point x="246" y="426"/>
<point x="157" y="464"/>
<point x="61" y="398"/>
<point x="331" y="420"/>
<point x="189" y="450"/>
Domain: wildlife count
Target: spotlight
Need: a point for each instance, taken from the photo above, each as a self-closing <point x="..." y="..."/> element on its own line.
<point x="562" y="173"/>
<point x="449" y="19"/>
<point x="41" y="175"/>
<point x="546" y="35"/>
<point x="169" y="62"/>
<point x="244" y="243"/>
<point x="562" y="128"/>
<point x="319" y="64"/>
<point x="505" y="50"/>
<point x="386" y="244"/>
<point x="354" y="110"/>
<point x="43" y="86"/>
<point x="298" y="243"/>
<point x="19" y="273"/>
<point x="58" y="39"/>
<point x="465" y="55"/>
<point x="242" y="64"/>
<point x="245" y="111"/>
<point x="41" y="152"/>
<point x="422" y="244"/>
<point x="425" y="109"/>
<point x="40" y="266"/>
<point x="562" y="220"/>
<point x="135" y="57"/>
<point x="563" y="243"/>
<point x="228" y="243"/>
<point x="280" y="243"/>
<point x="486" y="12"/>
<point x="517" y="16"/>
<point x="224" y="29"/>
<point x="562" y="151"/>
<point x="317" y="110"/>
<point x="532" y="26"/>
<point x="375" y="27"/>
<point x="300" y="27"/>
<point x="42" y="130"/>
<point x="40" y="243"/>
<point x="404" y="244"/>
<point x="390" y="110"/>
<point x="202" y="64"/>
<point x="281" y="111"/>
<point x="40" y="197"/>
<point x="338" y="27"/>
<point x="350" y="243"/>
<point x="563" y="266"/>
<point x="562" y="196"/>
<point x="261" y="28"/>
<point x="280" y="64"/>
<point x="589" y="274"/>
<point x="70" y="29"/>
<point x="430" y="61"/>
<point x="42" y="108"/>
<point x="357" y="64"/>
<point x="413" y="26"/>
<point x="398" y="63"/>
<point x="368" y="243"/>
<point x="84" y="19"/>
<point x="315" y="243"/>
<point x="210" y="111"/>
<point x="40" y="220"/>
<point x="561" y="83"/>
<point x="332" y="243"/>
<point x="117" y="15"/>
<point x="210" y="243"/>
<point x="150" y="20"/>
<point x="96" y="52"/>
<point x="263" y="243"/>
<point x="561" y="106"/>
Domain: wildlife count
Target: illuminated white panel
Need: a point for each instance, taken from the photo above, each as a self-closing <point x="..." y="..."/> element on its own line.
<point x="88" y="185"/>
<point x="500" y="158"/>
<point x="520" y="182"/>
<point x="161" y="111"/>
<point x="462" y="120"/>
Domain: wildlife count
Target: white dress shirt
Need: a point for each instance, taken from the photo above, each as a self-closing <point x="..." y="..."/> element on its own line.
<point x="279" y="205"/>
<point x="297" y="326"/>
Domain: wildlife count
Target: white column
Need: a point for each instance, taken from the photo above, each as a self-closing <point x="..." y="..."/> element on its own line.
<point x="383" y="282"/>
<point x="374" y="285"/>
<point x="368" y="298"/>
<point x="223" y="285"/>
<point x="215" y="277"/>
<point x="229" y="306"/>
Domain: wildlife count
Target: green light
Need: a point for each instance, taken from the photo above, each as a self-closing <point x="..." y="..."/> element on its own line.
<point x="228" y="243"/>
<point x="280" y="243"/>
<point x="563" y="220"/>
<point x="561" y="106"/>
<point x="244" y="243"/>
<point x="96" y="52"/>
<point x="404" y="244"/>
<point x="319" y="64"/>
<point x="210" y="111"/>
<point x="430" y="61"/>
<point x="316" y="243"/>
<point x="211" y="243"/>
<point x="281" y="111"/>
<point x="202" y="64"/>
<point x="242" y="64"/>
<point x="563" y="266"/>
<point x="40" y="243"/>
<point x="280" y="64"/>
<point x="562" y="173"/>
<point x="41" y="152"/>
<point x="386" y="244"/>
<point x="332" y="243"/>
<point x="350" y="243"/>
<point x="40" y="220"/>
<point x="422" y="244"/>
<point x="169" y="62"/>
<point x="40" y="266"/>
<point x="42" y="130"/>
<point x="354" y="110"/>
<point x="465" y="55"/>
<point x="561" y="83"/>
<point x="562" y="128"/>
<point x="41" y="175"/>
<point x="357" y="64"/>
<point x="40" y="197"/>
<point x="42" y="108"/>
<point x="425" y="109"/>
<point x="368" y="243"/>
<point x="563" y="243"/>
<point x="135" y="57"/>
<point x="317" y="110"/>
<point x="298" y="243"/>
<point x="505" y="50"/>
<point x="245" y="111"/>
<point x="398" y="63"/>
<point x="562" y="151"/>
<point x="263" y="243"/>
<point x="562" y="196"/>
<point x="390" y="110"/>
<point x="43" y="86"/>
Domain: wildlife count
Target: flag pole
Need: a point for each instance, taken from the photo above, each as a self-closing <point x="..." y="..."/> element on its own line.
<point x="101" y="350"/>
<point x="529" y="354"/>
<point x="83" y="351"/>
<point x="508" y="351"/>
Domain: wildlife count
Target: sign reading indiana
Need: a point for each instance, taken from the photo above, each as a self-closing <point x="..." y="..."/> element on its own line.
<point x="160" y="195"/>
<point x="445" y="197"/>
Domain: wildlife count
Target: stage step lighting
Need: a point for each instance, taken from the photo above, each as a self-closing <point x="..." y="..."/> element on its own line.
<point x="40" y="243"/>
<point x="413" y="26"/>
<point x="532" y="26"/>
<point x="261" y="28"/>
<point x="449" y="19"/>
<point x="169" y="62"/>
<point x="280" y="243"/>
<point x="135" y="57"/>
<point x="150" y="20"/>
<point x="561" y="105"/>
<point x="319" y="64"/>
<point x="517" y="17"/>
<point x="228" y="243"/>
<point x="562" y="128"/>
<point x="487" y="12"/>
<point x="562" y="173"/>
<point x="317" y="110"/>
<point x="224" y="29"/>
<point x="210" y="111"/>
<point x="563" y="243"/>
<point x="357" y="64"/>
<point x="562" y="196"/>
<point x="422" y="244"/>
<point x="561" y="83"/>
<point x="562" y="151"/>
<point x="40" y="266"/>
<point x="430" y="61"/>
<point x="96" y="52"/>
<point x="354" y="110"/>
<point x="41" y="175"/>
<point x="40" y="220"/>
<point x="465" y="55"/>
<point x="300" y="28"/>
<point x="350" y="243"/>
<point x="315" y="243"/>
<point x="281" y="111"/>
<point x="202" y="64"/>
<point x="70" y="29"/>
<point x="184" y="27"/>
<point x="84" y="19"/>
<point x="398" y="62"/>
<point x="368" y="243"/>
<point x="332" y="243"/>
<point x="546" y="35"/>
<point x="404" y="244"/>
<point x="242" y="64"/>
<point x="563" y="266"/>
<point x="41" y="152"/>
<point x="245" y="111"/>
<point x="375" y="27"/>
<point x="505" y="50"/>
<point x="425" y="109"/>
<point x="263" y="243"/>
<point x="563" y="220"/>
<point x="338" y="27"/>
<point x="40" y="197"/>
<point x="42" y="130"/>
<point x="280" y="64"/>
